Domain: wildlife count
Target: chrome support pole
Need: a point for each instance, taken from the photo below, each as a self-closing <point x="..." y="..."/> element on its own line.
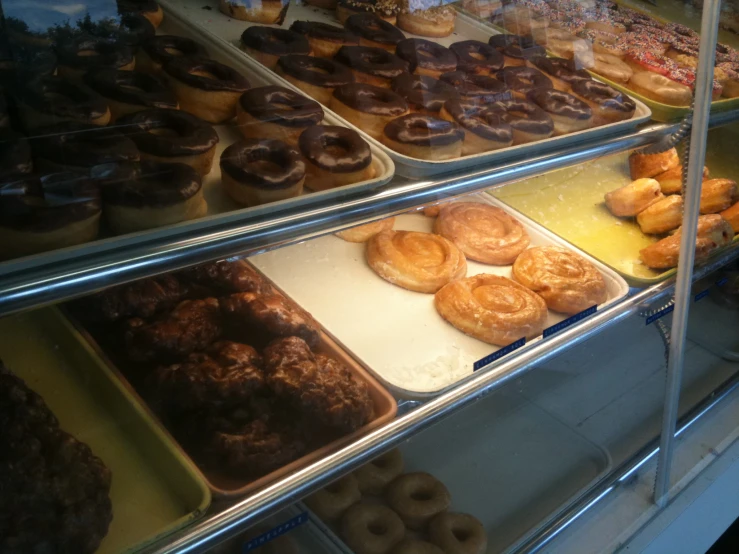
<point x="703" y="93"/>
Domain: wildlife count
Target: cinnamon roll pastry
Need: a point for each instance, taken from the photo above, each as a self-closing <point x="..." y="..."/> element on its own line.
<point x="482" y="232"/>
<point x="492" y="309"/>
<point x="362" y="233"/>
<point x="422" y="262"/>
<point x="567" y="282"/>
<point x="635" y="197"/>
<point x="662" y="216"/>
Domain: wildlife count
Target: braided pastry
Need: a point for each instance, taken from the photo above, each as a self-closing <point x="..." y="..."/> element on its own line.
<point x="634" y="197"/>
<point x="662" y="216"/>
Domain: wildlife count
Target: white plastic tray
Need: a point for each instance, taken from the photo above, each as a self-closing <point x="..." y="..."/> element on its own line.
<point x="226" y="30"/>
<point x="396" y="333"/>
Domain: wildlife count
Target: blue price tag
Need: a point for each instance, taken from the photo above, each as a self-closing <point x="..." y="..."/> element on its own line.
<point x="272" y="534"/>
<point x="700" y="295"/>
<point x="499" y="354"/>
<point x="662" y="313"/>
<point x="721" y="282"/>
<point x="557" y="327"/>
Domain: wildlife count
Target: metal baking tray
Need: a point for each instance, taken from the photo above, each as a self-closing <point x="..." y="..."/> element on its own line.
<point x="219" y="27"/>
<point x="155" y="489"/>
<point x="494" y="451"/>
<point x="396" y="333"/>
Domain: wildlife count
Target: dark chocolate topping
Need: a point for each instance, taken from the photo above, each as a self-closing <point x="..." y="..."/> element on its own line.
<point x="479" y="120"/>
<point x="15" y="154"/>
<point x="500" y="42"/>
<point x="561" y="69"/>
<point x="377" y="62"/>
<point x="315" y="142"/>
<point x="604" y="95"/>
<point x="419" y="52"/>
<point x="159" y="48"/>
<point x="423" y="91"/>
<point x="423" y="130"/>
<point x="281" y="106"/>
<point x="226" y="78"/>
<point x="560" y="103"/>
<point x="524" y="79"/>
<point x="372" y="100"/>
<point x="482" y="88"/>
<point x="194" y="136"/>
<point x="278" y="42"/>
<point x="105" y="53"/>
<point x="240" y="159"/>
<point x="371" y="27"/>
<point x="370" y="6"/>
<point x="467" y="60"/>
<point x="57" y="96"/>
<point x="324" y="31"/>
<point x="320" y="72"/>
<point x="524" y="116"/>
<point x="131" y="87"/>
<point x="82" y="145"/>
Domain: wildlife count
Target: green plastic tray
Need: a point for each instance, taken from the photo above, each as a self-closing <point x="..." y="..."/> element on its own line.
<point x="155" y="489"/>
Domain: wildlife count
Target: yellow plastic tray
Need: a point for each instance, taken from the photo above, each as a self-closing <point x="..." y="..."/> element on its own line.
<point x="155" y="489"/>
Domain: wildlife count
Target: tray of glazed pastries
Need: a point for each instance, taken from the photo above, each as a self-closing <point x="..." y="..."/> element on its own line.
<point x="164" y="135"/>
<point x="649" y="58"/>
<point x="243" y="378"/>
<point x="438" y="98"/>
<point x="626" y="210"/>
<point x="83" y="469"/>
<point x="440" y="291"/>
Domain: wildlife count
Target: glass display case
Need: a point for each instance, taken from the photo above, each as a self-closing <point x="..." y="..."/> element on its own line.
<point x="369" y="276"/>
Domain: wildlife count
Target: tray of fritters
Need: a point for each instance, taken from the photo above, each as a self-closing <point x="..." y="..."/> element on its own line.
<point x="245" y="380"/>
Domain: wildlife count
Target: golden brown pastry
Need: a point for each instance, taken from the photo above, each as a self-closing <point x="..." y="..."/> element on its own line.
<point x="713" y="232"/>
<point x="331" y="502"/>
<point x="567" y="282"/>
<point x="649" y="165"/>
<point x="732" y="216"/>
<point x="717" y="195"/>
<point x="671" y="181"/>
<point x="422" y="262"/>
<point x="492" y="309"/>
<point x="482" y="232"/>
<point x="362" y="233"/>
<point x="662" y="216"/>
<point x="633" y="198"/>
<point x="432" y="211"/>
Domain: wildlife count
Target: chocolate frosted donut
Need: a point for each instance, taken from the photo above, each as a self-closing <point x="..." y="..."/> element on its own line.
<point x="425" y="57"/>
<point x="130" y="91"/>
<point x="317" y="77"/>
<point x="335" y="156"/>
<point x="267" y="44"/>
<point x="563" y="73"/>
<point x="568" y="113"/>
<point x="79" y="55"/>
<point x="481" y="89"/>
<point x="527" y="120"/>
<point x="500" y="42"/>
<point x="521" y="80"/>
<point x="15" y="154"/>
<point x="608" y="104"/>
<point x="422" y="93"/>
<point x="424" y="137"/>
<point x="516" y="49"/>
<point x="150" y="9"/>
<point x="485" y="123"/>
<point x="474" y="56"/>
<point x="374" y="31"/>
<point x="277" y="106"/>
<point x="48" y="100"/>
<point x="368" y="107"/>
<point x="324" y="39"/>
<point x="371" y="65"/>
<point x="159" y="50"/>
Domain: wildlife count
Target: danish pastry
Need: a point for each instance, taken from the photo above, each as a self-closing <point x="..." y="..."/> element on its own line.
<point x="362" y="233"/>
<point x="567" y="282"/>
<point x="662" y="216"/>
<point x="482" y="232"/>
<point x="648" y="165"/>
<point x="634" y="197"/>
<point x="422" y="262"/>
<point x="492" y="309"/>
<point x="717" y="195"/>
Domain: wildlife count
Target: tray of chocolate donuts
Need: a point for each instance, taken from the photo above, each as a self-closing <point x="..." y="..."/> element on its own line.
<point x="422" y="297"/>
<point x="167" y="135"/>
<point x="645" y="56"/>
<point x="439" y="104"/>
<point x="246" y="381"/>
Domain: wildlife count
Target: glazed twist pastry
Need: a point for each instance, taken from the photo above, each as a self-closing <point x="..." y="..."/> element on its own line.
<point x="635" y="197"/>
<point x="662" y="216"/>
<point x="416" y="261"/>
<point x="492" y="309"/>
<point x="482" y="232"/>
<point x="362" y="233"/>
<point x="567" y="282"/>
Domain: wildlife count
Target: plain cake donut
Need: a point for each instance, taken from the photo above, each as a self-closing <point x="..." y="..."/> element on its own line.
<point x="417" y="497"/>
<point x="375" y="475"/>
<point x="458" y="534"/>
<point x="330" y="502"/>
<point x="371" y="528"/>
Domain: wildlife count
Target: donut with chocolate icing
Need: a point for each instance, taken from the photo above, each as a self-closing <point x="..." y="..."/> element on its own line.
<point x="277" y="113"/>
<point x="46" y="212"/>
<point x="49" y="100"/>
<point x="368" y="107"/>
<point x="270" y="12"/>
<point x="374" y="31"/>
<point x="172" y="136"/>
<point x="424" y="137"/>
<point x="267" y="44"/>
<point x="474" y="56"/>
<point x="258" y="171"/>
<point x="528" y="121"/>
<point x="374" y="66"/>
<point x="483" y="129"/>
<point x="425" y="57"/>
<point x="335" y="156"/>
<point x="608" y="104"/>
<point x="562" y="72"/>
<point x="129" y="91"/>
<point x="161" y="49"/>
<point x="77" y="56"/>
<point x="384" y="9"/>
<point x="422" y="93"/>
<point x="206" y="88"/>
<point x="522" y="80"/>
<point x="146" y="195"/>
<point x="15" y="154"/>
<point x="480" y="89"/>
<point x="324" y="39"/>
<point x="568" y="113"/>
<point x="317" y="77"/>
<point x="150" y="9"/>
<point x="516" y="49"/>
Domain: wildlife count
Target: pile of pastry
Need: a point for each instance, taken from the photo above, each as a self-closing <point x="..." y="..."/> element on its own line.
<point x="379" y="509"/>
<point x="655" y="199"/>
<point x="494" y="309"/>
<point x="650" y="57"/>
<point x="236" y="370"/>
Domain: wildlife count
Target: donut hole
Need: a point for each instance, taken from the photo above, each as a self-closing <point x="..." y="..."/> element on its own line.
<point x="174" y="52"/>
<point x="422" y="495"/>
<point x="164" y="132"/>
<point x="462" y="535"/>
<point x="268" y="166"/>
<point x="477" y="56"/>
<point x="203" y="73"/>
<point x="377" y="528"/>
<point x="87" y="53"/>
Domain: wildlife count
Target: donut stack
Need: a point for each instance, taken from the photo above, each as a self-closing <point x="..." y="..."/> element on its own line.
<point x="380" y="509"/>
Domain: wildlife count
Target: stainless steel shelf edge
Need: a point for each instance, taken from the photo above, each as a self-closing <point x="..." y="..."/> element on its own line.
<point x="275" y="497"/>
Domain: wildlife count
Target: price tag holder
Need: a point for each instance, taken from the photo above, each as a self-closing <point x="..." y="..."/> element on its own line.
<point x="275" y="532"/>
<point x="557" y="327"/>
<point x="499" y="354"/>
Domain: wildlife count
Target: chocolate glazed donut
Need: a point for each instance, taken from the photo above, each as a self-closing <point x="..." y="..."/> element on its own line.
<point x="516" y="49"/>
<point x="15" y="154"/>
<point x="368" y="107"/>
<point x="191" y="140"/>
<point x="335" y="156"/>
<point x="267" y="44"/>
<point x="425" y="137"/>
<point x="528" y="121"/>
<point x="521" y="80"/>
<point x="258" y="171"/>
<point x="374" y="31"/>
<point x="608" y="104"/>
<point x="373" y="66"/>
<point x="425" y="57"/>
<point x="568" y="113"/>
<point x="474" y="56"/>
<point x="317" y="77"/>
<point x="78" y="56"/>
<point x="563" y="73"/>
<point x="150" y="9"/>
<point x="129" y="91"/>
<point x="278" y="113"/>
<point x="480" y="89"/>
<point x="324" y="39"/>
<point x="159" y="50"/>
<point x="484" y="129"/>
<point x="424" y="94"/>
